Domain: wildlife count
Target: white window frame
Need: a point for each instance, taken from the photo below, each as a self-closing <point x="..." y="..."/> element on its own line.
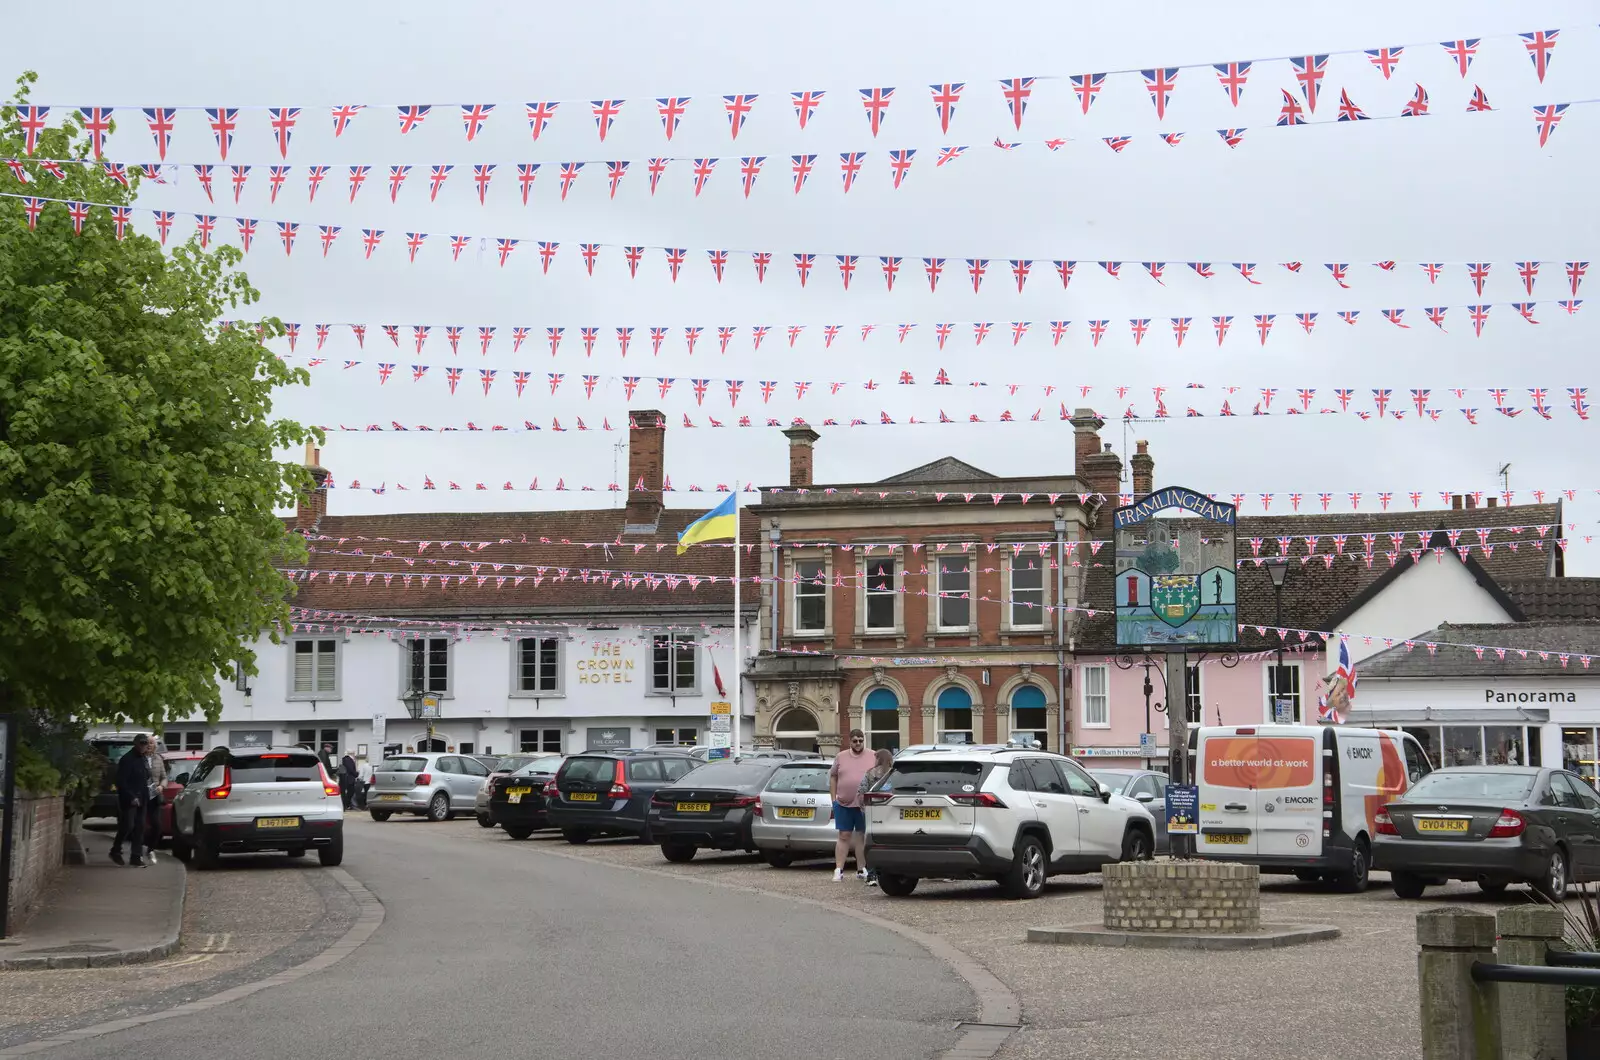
<point x="864" y="597"/>
<point x="1299" y="684"/>
<point x="1009" y="619"/>
<point x="1086" y="697"/>
<point x="1198" y="706"/>
<point x="541" y="735"/>
<point x="178" y="739"/>
<point x="449" y="667"/>
<point x="313" y="692"/>
<point x="517" y="691"/>
<point x="939" y="573"/>
<point x="675" y="637"/>
<point x="796" y="629"/>
<point x="681" y="735"/>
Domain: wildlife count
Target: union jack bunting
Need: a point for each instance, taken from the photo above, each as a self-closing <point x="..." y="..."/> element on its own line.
<point x="412" y="116"/>
<point x="96" y="122"/>
<point x="569" y="174"/>
<point x="738" y="108"/>
<point x="1479" y="102"/>
<point x="343" y="115"/>
<point x="1160" y="82"/>
<point x="1385" y="59"/>
<point x="1087" y="86"/>
<point x="1462" y="51"/>
<point x="605" y="112"/>
<point x="1547" y="118"/>
<point x="1541" y="45"/>
<point x="161" y="122"/>
<point x="1232" y="77"/>
<point x="539" y="115"/>
<point x="615" y="171"/>
<point x="1309" y="71"/>
<point x="849" y="165"/>
<point x="473" y="115"/>
<point x="945" y="98"/>
<point x="805" y="105"/>
<point x="32" y="120"/>
<point x="672" y="109"/>
<point x="1417" y="105"/>
<point x="949" y="154"/>
<point x="1016" y="91"/>
<point x="749" y="170"/>
<point x="899" y="164"/>
<point x="875" y="101"/>
<point x="703" y="168"/>
<point x="282" y="120"/>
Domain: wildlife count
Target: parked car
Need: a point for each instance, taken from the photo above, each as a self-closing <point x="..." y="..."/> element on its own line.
<point x="516" y="800"/>
<point x="1014" y="816"/>
<point x="1144" y="786"/>
<point x="794" y="816"/>
<point x="239" y="801"/>
<point x="608" y="793"/>
<point x="1300" y="798"/>
<point x="1497" y="825"/>
<point x="111" y="746"/>
<point x="180" y="764"/>
<point x="490" y="762"/>
<point x="711" y="806"/>
<point x="435" y="786"/>
<point x="932" y="748"/>
<point x="499" y="766"/>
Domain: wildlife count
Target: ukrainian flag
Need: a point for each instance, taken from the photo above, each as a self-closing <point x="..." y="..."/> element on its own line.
<point x="716" y="525"/>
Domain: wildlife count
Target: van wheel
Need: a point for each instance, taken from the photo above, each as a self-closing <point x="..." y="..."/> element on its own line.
<point x="1136" y="846"/>
<point x="380" y="815"/>
<point x="1354" y="881"/>
<point x="778" y="860"/>
<point x="895" y="885"/>
<point x="1025" y="879"/>
<point x="1408" y="885"/>
<point x="1553" y="885"/>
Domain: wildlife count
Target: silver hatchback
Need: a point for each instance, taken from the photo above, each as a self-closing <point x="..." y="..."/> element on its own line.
<point x="434" y="786"/>
<point x="794" y="816"/>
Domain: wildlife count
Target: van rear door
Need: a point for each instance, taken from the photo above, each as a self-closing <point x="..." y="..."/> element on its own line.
<point x="1227" y="799"/>
<point x="1289" y="799"/>
<point x="1251" y="787"/>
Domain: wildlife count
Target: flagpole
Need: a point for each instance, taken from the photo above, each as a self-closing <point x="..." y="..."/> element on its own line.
<point x="738" y="657"/>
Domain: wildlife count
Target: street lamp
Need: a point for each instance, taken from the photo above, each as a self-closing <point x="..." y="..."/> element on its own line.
<point x="422" y="706"/>
<point x="1278" y="569"/>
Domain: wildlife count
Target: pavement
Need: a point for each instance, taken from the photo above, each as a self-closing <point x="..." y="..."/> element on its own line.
<point x="103" y="914"/>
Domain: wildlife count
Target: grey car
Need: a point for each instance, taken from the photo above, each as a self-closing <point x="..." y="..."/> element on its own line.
<point x="1144" y="786"/>
<point x="435" y="786"/>
<point x="795" y="818"/>
<point x="1494" y="824"/>
<point x="499" y="766"/>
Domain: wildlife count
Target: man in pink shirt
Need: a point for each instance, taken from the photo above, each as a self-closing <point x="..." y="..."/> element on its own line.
<point x="844" y="787"/>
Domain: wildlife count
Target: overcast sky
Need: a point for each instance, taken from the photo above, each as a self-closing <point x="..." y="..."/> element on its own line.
<point x="1453" y="188"/>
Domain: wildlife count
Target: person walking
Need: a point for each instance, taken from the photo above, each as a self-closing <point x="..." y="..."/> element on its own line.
<point x="349" y="776"/>
<point x="133" y="794"/>
<point x="883" y="762"/>
<point x="152" y="816"/>
<point x="849" y="820"/>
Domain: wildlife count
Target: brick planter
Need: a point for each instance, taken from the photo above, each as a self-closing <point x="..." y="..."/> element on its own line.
<point x="36" y="857"/>
<point x="1182" y="896"/>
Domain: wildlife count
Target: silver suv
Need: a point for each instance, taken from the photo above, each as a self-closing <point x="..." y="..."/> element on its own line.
<point x="434" y="786"/>
<point x="247" y="801"/>
<point x="1011" y="815"/>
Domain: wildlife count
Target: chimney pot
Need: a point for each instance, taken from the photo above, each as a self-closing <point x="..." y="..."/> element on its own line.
<point x="1144" y="470"/>
<point x="1492" y="502"/>
<point x="802" y="455"/>
<point x="1472" y="502"/>
<point x="647" y="434"/>
<point x="1455" y="502"/>
<point x="312" y="503"/>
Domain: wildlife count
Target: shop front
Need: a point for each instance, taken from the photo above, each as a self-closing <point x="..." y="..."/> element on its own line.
<point x="1578" y="751"/>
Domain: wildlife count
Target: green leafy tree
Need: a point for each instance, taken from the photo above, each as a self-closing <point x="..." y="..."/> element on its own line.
<point x="138" y="483"/>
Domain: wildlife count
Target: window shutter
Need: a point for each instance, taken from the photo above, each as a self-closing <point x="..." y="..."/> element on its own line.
<point x="302" y="666"/>
<point x="327" y="672"/>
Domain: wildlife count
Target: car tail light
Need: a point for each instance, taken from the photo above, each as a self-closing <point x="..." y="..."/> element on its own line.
<point x="223" y="790"/>
<point x="550" y="791"/>
<point x="1511" y="823"/>
<point x="620" y="790"/>
<point x="1244" y="732"/>
<point x="1384" y="823"/>
<point x="742" y="801"/>
<point x="424" y="779"/>
<point x="660" y="798"/>
<point x="274" y="756"/>
<point x="328" y="786"/>
<point x="982" y="798"/>
<point x="755" y="807"/>
<point x="877" y="798"/>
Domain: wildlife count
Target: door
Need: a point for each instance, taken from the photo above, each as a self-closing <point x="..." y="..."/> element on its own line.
<point x="1038" y="780"/>
<point x="1239" y="772"/>
<point x="1149" y="791"/>
<point x="1577" y="817"/>
<point x="475" y="777"/>
<point x="1100" y="828"/>
<point x="451" y="773"/>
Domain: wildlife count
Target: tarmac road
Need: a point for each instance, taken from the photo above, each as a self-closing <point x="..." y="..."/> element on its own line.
<point x="494" y="946"/>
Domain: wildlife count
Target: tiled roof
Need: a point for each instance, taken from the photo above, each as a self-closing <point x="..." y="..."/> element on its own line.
<point x="944" y="469"/>
<point x="533" y="539"/>
<point x="1557" y="599"/>
<point x="1552" y="638"/>
<point x="1314" y="592"/>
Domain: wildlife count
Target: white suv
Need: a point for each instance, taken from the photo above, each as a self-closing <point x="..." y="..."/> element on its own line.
<point x="239" y="801"/>
<point x="1012" y="815"/>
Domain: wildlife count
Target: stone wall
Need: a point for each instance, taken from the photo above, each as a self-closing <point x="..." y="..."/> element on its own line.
<point x="36" y="854"/>
<point x="1190" y="896"/>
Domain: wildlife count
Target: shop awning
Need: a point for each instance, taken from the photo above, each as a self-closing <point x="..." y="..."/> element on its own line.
<point x="1448" y="716"/>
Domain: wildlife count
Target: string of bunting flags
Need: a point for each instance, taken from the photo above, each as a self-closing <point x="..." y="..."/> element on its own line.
<point x="976" y="270"/>
<point x="1306" y="72"/>
<point x="698" y="171"/>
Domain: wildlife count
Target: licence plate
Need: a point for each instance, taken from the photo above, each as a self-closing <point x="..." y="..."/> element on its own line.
<point x="804" y="813"/>
<point x="920" y="815"/>
<point x="694" y="807"/>
<point x="583" y="796"/>
<point x="514" y="796"/>
<point x="518" y="791"/>
<point x="390" y="798"/>
<point x="1227" y="839"/>
<point x="1434" y="824"/>
<point x="277" y="822"/>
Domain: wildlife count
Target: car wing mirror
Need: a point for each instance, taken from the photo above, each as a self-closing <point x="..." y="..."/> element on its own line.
<point x="1105" y="793"/>
<point x="181" y="778"/>
<point x="1145" y="796"/>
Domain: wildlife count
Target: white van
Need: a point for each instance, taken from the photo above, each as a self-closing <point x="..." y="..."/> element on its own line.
<point x="1300" y="798"/>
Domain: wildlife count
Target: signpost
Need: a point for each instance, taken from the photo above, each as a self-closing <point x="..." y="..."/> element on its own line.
<point x="1183" y="809"/>
<point x="8" y="809"/>
<point x="1147" y="747"/>
<point x="1283" y="711"/>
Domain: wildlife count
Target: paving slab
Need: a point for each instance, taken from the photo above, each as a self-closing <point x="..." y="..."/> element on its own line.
<point x="1270" y="937"/>
<point x="101" y="914"/>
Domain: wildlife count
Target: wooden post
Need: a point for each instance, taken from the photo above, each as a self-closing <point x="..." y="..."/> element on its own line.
<point x="1458" y="1020"/>
<point x="1533" y="1022"/>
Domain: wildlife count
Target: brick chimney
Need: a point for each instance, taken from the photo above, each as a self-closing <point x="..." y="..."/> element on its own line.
<point x="313" y="503"/>
<point x="1086" y="437"/>
<point x="1102" y="473"/>
<point x="647" y="436"/>
<point x="802" y="440"/>
<point x="1144" y="470"/>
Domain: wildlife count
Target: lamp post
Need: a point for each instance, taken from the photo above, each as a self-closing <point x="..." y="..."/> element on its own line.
<point x="421" y="706"/>
<point x="1278" y="569"/>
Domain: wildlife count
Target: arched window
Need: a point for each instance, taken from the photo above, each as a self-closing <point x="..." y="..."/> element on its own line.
<point x="883" y="719"/>
<point x="796" y="730"/>
<point x="955" y="716"/>
<point x="1028" y="716"/>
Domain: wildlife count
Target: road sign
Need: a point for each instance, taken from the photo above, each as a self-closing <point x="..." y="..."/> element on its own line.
<point x="720" y="723"/>
<point x="719" y="707"/>
<point x="380" y="731"/>
<point x="1183" y="805"/>
<point x="719" y="739"/>
<point x="1283" y="711"/>
<point x="1147" y="745"/>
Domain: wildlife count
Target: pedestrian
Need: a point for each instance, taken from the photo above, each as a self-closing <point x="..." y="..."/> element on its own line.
<point x="133" y="794"/>
<point x="880" y="769"/>
<point x="349" y="775"/>
<point x="363" y="782"/>
<point x="849" y="820"/>
<point x="328" y="761"/>
<point x="158" y="780"/>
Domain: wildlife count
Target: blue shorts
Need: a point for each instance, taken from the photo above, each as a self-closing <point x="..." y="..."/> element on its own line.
<point x="849" y="818"/>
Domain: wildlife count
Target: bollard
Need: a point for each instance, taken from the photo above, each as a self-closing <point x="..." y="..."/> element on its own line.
<point x="1533" y="1023"/>
<point x="1458" y="1020"/>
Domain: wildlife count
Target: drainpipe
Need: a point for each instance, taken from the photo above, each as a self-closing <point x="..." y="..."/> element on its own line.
<point x="1061" y="627"/>
<point x="774" y="536"/>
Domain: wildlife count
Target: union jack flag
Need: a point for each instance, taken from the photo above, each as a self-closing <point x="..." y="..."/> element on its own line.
<point x="457" y="245"/>
<point x="1385" y="59"/>
<point x="1307" y="321"/>
<point x="1417" y="106"/>
<point x="539" y="114"/>
<point x="32" y="120"/>
<point x="738" y="108"/>
<point x="875" y="101"/>
<point x="1232" y="77"/>
<point x="1097" y="331"/>
<point x="202" y="173"/>
<point x="287" y="230"/>
<point x="1113" y="269"/>
<point x="1576" y="270"/>
<point x="473" y="116"/>
<point x="656" y="167"/>
<point x="757" y="334"/>
<point x="976" y="267"/>
<point x="161" y="122"/>
<point x="1547" y="118"/>
<point x="1462" y="51"/>
<point x="1019" y="328"/>
<point x="1395" y="317"/>
<point x="934" y="267"/>
<point x="761" y="259"/>
<point x="1064" y="270"/>
<point x="412" y="116"/>
<point x="1117" y="143"/>
<point x="980" y="331"/>
<point x="569" y="174"/>
<point x="397" y="177"/>
<point x="547" y="254"/>
<point x="482" y="174"/>
<point x="1380" y="398"/>
<point x="358" y="176"/>
<point x="1138" y="326"/>
<point x="1526" y="309"/>
<point x="657" y="336"/>
<point x="802" y="266"/>
<point x="1201" y="269"/>
<point x="1338" y="270"/>
<point x="847" y="267"/>
<point x="633" y="256"/>
<point x="1349" y="315"/>
<point x="605" y="112"/>
<point x="1016" y="91"/>
<point x="1435" y="315"/>
<point x="1529" y="271"/>
<point x="121" y="215"/>
<point x="1231" y="137"/>
<point x="805" y="104"/>
<point x="1020" y="267"/>
<point x="1264" y="325"/>
<point x="1309" y="71"/>
<point x="419" y="332"/>
<point x="1348" y="111"/>
<point x="163" y="222"/>
<point x="1160" y="82"/>
<point x="900" y="164"/>
<point x="615" y="171"/>
<point x="506" y="246"/>
<point x="118" y="172"/>
<point x="849" y="165"/>
<point x="1291" y="113"/>
<point x="1541" y="45"/>
<point x="949" y="154"/>
<point x="1247" y="269"/>
<point x="1155" y="269"/>
<point x="1087" y="86"/>
<point x="945" y="98"/>
<point x="672" y="109"/>
<point x="204" y="224"/>
<point x="1479" y="102"/>
<point x="829" y="333"/>
<point x="1221" y="324"/>
<point x="370" y="237"/>
<point x="942" y="331"/>
<point x="1478" y="271"/>
<point x="1180" y="328"/>
<point x="890" y="267"/>
<point x="520" y="379"/>
<point x="418" y="371"/>
<point x="554" y="335"/>
<point x="453" y="376"/>
<point x="749" y="170"/>
<point x="329" y="234"/>
<point x="702" y="172"/>
<point x="96" y="122"/>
